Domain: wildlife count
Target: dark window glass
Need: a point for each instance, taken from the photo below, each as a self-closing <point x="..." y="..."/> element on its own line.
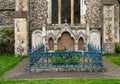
<point x="66" y="11"/>
<point x="54" y="11"/>
<point x="76" y="11"/>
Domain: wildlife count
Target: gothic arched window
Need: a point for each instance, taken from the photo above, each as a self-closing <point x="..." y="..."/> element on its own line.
<point x="65" y="9"/>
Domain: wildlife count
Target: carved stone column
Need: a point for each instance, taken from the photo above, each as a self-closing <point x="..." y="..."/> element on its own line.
<point x="21" y="27"/>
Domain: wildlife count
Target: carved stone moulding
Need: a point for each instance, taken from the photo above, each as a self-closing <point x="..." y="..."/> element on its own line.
<point x="20" y="14"/>
<point x="108" y="2"/>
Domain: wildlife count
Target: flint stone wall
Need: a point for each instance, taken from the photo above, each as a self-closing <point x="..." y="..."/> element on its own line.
<point x="7" y="8"/>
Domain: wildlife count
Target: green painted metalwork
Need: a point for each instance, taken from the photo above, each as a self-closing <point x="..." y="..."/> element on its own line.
<point x="89" y="59"/>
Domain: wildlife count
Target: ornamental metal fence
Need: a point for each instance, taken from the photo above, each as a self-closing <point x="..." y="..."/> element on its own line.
<point x="88" y="59"/>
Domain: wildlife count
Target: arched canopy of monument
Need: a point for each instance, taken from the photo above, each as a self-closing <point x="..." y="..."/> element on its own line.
<point x="80" y="43"/>
<point x="51" y="44"/>
<point x="66" y="41"/>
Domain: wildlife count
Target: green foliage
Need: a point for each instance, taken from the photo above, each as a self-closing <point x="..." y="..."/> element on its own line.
<point x="59" y="50"/>
<point x="60" y="60"/>
<point x="115" y="58"/>
<point x="63" y="81"/>
<point x="119" y="1"/>
<point x="117" y="48"/>
<point x="73" y="60"/>
<point x="8" y="61"/>
<point x="6" y="39"/>
<point x="57" y="60"/>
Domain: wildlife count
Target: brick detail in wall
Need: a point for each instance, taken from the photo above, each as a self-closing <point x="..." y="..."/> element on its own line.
<point x="66" y="40"/>
<point x="51" y="44"/>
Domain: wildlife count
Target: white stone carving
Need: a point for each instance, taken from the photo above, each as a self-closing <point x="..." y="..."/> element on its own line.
<point x="95" y="38"/>
<point x="36" y="38"/>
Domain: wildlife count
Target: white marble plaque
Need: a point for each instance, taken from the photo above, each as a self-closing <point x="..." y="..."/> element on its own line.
<point x="95" y="38"/>
<point x="36" y="38"/>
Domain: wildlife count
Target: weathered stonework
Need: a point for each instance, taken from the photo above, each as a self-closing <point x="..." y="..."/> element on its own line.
<point x="76" y="32"/>
<point x="7" y="4"/>
<point x="109" y="47"/>
<point x="21" y="27"/>
<point x="39" y="13"/>
<point x="108" y="2"/>
<point x="99" y="24"/>
<point x="6" y="18"/>
<point x="22" y="5"/>
<point x="116" y="10"/>
<point x="21" y="36"/>
<point x="94" y="15"/>
<point x="20" y="14"/>
<point x="7" y="8"/>
<point x="108" y="28"/>
<point x="108" y="24"/>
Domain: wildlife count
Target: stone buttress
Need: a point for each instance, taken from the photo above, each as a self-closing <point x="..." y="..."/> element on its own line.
<point x="21" y="27"/>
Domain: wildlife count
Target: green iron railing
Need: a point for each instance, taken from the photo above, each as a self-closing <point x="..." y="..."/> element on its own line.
<point x="89" y="59"/>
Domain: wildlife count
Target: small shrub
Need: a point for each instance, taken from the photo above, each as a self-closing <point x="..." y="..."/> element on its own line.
<point x="117" y="48"/>
<point x="6" y="39"/>
<point x="59" y="50"/>
<point x="60" y="60"/>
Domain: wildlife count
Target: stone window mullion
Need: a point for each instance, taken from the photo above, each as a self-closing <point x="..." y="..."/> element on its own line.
<point x="59" y="11"/>
<point x="72" y="11"/>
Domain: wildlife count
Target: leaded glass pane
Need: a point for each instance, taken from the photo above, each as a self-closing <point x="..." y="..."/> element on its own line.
<point x="66" y="11"/>
<point x="77" y="11"/>
<point x="54" y="11"/>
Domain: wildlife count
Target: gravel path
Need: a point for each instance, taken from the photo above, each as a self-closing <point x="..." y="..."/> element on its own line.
<point x="18" y="72"/>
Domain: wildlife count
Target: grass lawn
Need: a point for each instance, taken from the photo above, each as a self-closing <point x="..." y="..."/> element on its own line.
<point x="8" y="61"/>
<point x="115" y="58"/>
<point x="62" y="81"/>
